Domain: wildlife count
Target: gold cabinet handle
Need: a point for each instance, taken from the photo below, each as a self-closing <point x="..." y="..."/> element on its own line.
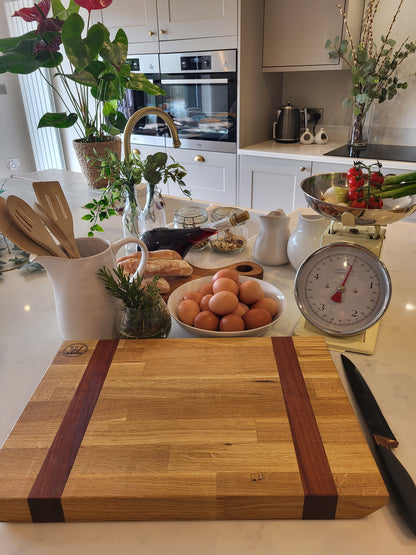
<point x="163" y="32"/>
<point x="152" y="33"/>
<point x="199" y="158"/>
<point x="135" y="151"/>
<point x="303" y="168"/>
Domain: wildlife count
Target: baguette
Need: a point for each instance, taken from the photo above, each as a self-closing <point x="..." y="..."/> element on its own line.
<point x="165" y="254"/>
<point x="168" y="268"/>
<point x="162" y="284"/>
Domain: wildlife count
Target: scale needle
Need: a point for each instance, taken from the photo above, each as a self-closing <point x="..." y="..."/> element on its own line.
<point x="337" y="296"/>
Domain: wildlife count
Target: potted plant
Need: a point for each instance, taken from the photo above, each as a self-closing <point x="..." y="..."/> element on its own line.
<point x="144" y="314"/>
<point x="373" y="68"/>
<point x="122" y="176"/>
<point x="98" y="76"/>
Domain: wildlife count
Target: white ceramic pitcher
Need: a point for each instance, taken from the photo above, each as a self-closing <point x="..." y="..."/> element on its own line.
<point x="306" y="238"/>
<point x="271" y="242"/>
<point x="84" y="308"/>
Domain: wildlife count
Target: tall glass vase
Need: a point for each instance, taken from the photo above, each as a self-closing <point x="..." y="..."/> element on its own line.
<point x="153" y="214"/>
<point x="131" y="226"/>
<point x="357" y="138"/>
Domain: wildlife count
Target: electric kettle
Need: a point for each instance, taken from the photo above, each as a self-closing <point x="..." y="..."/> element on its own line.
<point x="287" y="129"/>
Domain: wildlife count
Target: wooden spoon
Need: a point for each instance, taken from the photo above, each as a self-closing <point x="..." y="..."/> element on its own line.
<point x="16" y="235"/>
<point x="30" y="223"/>
<point x="54" y="228"/>
<point x="53" y="201"/>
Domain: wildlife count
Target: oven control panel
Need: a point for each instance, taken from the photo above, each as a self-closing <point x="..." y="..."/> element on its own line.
<point x="189" y="63"/>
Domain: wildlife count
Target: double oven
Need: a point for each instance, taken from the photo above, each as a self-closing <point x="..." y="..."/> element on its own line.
<point x="200" y="95"/>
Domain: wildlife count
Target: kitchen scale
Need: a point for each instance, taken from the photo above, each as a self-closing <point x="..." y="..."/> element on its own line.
<point x="343" y="288"/>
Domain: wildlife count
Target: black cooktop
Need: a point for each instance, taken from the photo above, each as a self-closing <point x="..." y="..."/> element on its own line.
<point x="377" y="152"/>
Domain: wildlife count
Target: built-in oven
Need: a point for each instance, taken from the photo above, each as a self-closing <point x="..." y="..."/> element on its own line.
<point x="200" y="95"/>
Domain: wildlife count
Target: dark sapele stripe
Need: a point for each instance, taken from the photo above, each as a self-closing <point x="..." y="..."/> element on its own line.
<point x="45" y="496"/>
<point x="321" y="494"/>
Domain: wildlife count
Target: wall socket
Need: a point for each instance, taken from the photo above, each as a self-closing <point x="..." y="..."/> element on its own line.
<point x="312" y="112"/>
<point x="13" y="163"/>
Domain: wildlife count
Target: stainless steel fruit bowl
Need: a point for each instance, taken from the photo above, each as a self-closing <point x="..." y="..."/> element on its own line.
<point x="393" y="210"/>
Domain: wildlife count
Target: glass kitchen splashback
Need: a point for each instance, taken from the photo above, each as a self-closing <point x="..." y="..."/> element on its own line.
<point x="400" y="153"/>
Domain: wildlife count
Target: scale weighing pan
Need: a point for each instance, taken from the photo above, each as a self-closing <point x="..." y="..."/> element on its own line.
<point x="393" y="210"/>
<point x="367" y="232"/>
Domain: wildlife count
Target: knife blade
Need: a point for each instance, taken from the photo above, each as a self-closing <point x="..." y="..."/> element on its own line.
<point x="398" y="481"/>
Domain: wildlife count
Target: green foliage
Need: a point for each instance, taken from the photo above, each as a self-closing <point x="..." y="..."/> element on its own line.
<point x="99" y="73"/>
<point x="130" y="291"/>
<point x="373" y="69"/>
<point x="121" y="176"/>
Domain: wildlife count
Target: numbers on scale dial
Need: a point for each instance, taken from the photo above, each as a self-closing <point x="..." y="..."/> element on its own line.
<point x="350" y="281"/>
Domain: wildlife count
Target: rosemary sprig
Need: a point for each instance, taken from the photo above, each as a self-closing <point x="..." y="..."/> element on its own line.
<point x="130" y="291"/>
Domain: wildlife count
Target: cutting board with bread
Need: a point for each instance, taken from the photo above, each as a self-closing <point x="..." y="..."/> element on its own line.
<point x="173" y="271"/>
<point x="174" y="429"/>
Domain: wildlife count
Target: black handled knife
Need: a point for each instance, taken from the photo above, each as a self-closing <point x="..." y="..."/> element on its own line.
<point x="401" y="487"/>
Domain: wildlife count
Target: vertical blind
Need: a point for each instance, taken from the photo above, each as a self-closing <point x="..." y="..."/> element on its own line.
<point x="37" y="99"/>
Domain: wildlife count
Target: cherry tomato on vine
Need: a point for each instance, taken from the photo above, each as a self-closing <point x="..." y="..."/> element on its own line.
<point x="359" y="204"/>
<point x="355" y="182"/>
<point x="376" y="179"/>
<point x="354" y="172"/>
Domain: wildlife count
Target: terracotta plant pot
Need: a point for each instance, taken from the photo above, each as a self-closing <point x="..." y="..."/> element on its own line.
<point x="84" y="151"/>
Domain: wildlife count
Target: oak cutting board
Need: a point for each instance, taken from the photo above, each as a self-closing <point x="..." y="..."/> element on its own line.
<point x="170" y="429"/>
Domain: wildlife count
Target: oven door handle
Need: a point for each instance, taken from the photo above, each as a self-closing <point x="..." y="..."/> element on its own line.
<point x="194" y="81"/>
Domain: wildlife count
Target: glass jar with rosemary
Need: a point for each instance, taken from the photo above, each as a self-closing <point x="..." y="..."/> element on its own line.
<point x="144" y="314"/>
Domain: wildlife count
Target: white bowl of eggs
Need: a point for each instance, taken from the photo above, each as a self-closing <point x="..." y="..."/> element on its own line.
<point x="226" y="305"/>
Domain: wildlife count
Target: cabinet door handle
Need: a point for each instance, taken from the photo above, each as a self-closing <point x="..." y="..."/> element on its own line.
<point x="163" y="32"/>
<point x="199" y="158"/>
<point x="136" y="151"/>
<point x="304" y="169"/>
<point x="152" y="33"/>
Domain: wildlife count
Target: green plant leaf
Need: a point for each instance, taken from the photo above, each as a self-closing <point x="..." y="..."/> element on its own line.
<point x="115" y="53"/>
<point x="139" y="82"/>
<point x="59" y="11"/>
<point x="81" y="51"/>
<point x="60" y="120"/>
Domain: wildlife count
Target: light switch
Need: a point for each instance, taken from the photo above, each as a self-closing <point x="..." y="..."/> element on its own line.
<point x="3" y="89"/>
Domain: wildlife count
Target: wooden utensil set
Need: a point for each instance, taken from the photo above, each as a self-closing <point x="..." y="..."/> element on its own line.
<point x="35" y="229"/>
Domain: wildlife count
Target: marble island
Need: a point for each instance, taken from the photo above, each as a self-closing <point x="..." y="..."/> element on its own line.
<point x="30" y="339"/>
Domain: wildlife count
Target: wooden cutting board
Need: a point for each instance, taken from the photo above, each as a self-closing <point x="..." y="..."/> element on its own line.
<point x="171" y="429"/>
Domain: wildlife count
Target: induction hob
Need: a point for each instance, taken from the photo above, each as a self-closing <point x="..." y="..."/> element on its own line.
<point x="399" y="153"/>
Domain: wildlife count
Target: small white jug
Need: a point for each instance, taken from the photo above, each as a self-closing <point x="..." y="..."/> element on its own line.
<point x="271" y="243"/>
<point x="306" y="238"/>
<point x="84" y="308"/>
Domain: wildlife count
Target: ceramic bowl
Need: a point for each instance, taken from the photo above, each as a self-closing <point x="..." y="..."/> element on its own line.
<point x="393" y="210"/>
<point x="193" y="285"/>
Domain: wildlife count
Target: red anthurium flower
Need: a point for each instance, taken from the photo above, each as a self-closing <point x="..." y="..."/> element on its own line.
<point x="93" y="4"/>
<point x="37" y="13"/>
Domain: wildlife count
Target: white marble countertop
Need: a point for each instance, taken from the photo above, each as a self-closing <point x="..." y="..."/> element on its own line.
<point x="312" y="153"/>
<point x="29" y="340"/>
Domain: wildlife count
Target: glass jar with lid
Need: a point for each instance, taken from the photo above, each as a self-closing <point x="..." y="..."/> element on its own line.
<point x="233" y="239"/>
<point x="191" y="215"/>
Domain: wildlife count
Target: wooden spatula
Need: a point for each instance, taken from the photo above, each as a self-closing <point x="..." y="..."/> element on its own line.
<point x="56" y="231"/>
<point x="53" y="201"/>
<point x="16" y="235"/>
<point x="30" y="223"/>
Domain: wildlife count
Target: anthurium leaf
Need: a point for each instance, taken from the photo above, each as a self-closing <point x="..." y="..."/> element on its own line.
<point x="61" y="12"/>
<point x="118" y="120"/>
<point x="139" y="82"/>
<point x="115" y="52"/>
<point x="60" y="120"/>
<point x="83" y="77"/>
<point x="110" y="108"/>
<point x="22" y="60"/>
<point x="81" y="51"/>
<point x="10" y="43"/>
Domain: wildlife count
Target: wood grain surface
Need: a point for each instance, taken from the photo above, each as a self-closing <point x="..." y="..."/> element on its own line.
<point x="173" y="429"/>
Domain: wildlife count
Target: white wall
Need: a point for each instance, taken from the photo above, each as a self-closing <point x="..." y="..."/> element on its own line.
<point x="14" y="135"/>
<point x="392" y="122"/>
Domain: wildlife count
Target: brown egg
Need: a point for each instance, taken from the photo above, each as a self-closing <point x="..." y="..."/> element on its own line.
<point x="225" y="284"/>
<point x="250" y="292"/>
<point x="187" y="310"/>
<point x="223" y="302"/>
<point x="241" y="309"/>
<point x="204" y="304"/>
<point x="193" y="295"/>
<point x="268" y="304"/>
<point x="232" y="322"/>
<point x="228" y="273"/>
<point x="257" y="317"/>
<point x="205" y="289"/>
<point x="206" y="320"/>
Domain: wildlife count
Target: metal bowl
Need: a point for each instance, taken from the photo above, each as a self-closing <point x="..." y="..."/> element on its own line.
<point x="393" y="210"/>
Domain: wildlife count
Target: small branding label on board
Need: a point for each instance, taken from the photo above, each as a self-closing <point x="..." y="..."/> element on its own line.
<point x="75" y="350"/>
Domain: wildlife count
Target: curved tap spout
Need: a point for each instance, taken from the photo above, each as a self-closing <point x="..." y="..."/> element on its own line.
<point x="145" y="112"/>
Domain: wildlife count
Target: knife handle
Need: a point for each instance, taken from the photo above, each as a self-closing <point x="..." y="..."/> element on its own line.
<point x="400" y="485"/>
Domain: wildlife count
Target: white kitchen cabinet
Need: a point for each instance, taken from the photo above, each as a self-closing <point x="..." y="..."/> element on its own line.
<point x="295" y="32"/>
<point x="211" y="176"/>
<point x="271" y="183"/>
<point x="148" y="23"/>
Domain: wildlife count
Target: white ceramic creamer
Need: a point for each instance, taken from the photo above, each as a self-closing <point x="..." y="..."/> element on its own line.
<point x="84" y="308"/>
<point x="271" y="243"/>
